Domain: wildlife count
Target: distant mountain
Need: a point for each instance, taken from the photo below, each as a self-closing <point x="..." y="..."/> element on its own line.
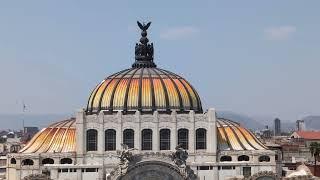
<point x="14" y="121"/>
<point x="244" y="120"/>
<point x="312" y="122"/>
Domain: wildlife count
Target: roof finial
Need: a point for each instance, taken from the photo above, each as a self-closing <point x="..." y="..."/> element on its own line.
<point x="143" y="50"/>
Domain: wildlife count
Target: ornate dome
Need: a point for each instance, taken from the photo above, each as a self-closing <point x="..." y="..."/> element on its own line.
<point x="58" y="137"/>
<point x="144" y="87"/>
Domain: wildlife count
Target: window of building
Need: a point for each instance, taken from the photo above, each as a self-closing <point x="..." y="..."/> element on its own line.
<point x="225" y="158"/>
<point x="246" y="172"/>
<point x="243" y="158"/>
<point x="128" y="137"/>
<point x="13" y="161"/>
<point x="27" y="162"/>
<point x="92" y="140"/>
<point x="146" y="139"/>
<point x="264" y="159"/>
<point x="72" y="170"/>
<point x="183" y="138"/>
<point x="66" y="161"/>
<point x="201" y="138"/>
<point x="47" y="161"/>
<point x="226" y="167"/>
<point x="204" y="167"/>
<point x="165" y="139"/>
<point x="91" y="170"/>
<point x="110" y="140"/>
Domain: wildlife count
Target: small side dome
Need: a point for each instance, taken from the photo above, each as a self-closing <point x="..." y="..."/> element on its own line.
<point x="232" y="136"/>
<point x="58" y="137"/>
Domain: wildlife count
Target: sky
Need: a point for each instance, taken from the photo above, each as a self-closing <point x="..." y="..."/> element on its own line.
<point x="259" y="58"/>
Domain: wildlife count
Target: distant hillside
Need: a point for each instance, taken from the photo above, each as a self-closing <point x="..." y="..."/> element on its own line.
<point x="312" y="122"/>
<point x="14" y="121"/>
<point x="244" y="120"/>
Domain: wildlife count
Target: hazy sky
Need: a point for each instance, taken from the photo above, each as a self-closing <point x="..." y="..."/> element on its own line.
<point x="253" y="57"/>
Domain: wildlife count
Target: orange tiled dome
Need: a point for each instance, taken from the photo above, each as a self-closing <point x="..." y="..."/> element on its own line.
<point x="232" y="136"/>
<point x="58" y="137"/>
<point x="144" y="89"/>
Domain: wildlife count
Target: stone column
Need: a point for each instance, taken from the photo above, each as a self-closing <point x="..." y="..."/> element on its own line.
<point x="80" y="138"/>
<point x="174" y="137"/>
<point x="192" y="135"/>
<point x="155" y="133"/>
<point x="137" y="130"/>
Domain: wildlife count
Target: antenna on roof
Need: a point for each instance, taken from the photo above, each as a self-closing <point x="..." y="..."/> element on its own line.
<point x="24" y="108"/>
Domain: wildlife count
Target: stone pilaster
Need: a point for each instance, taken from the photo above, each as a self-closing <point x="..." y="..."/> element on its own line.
<point x="80" y="131"/>
<point x="119" y="139"/>
<point x="101" y="133"/>
<point x="79" y="174"/>
<point x="156" y="138"/>
<point x="137" y="131"/>
<point x="174" y="137"/>
<point x="54" y="174"/>
<point x="212" y="132"/>
<point x="192" y="136"/>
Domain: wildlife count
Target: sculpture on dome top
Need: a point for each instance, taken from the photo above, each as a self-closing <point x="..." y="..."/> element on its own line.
<point x="144" y="50"/>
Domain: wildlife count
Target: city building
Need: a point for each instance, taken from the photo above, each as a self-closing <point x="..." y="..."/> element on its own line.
<point x="277" y="127"/>
<point x="28" y="133"/>
<point x="300" y="125"/>
<point x="3" y="166"/>
<point x="138" y="124"/>
<point x="306" y="137"/>
<point x="266" y="133"/>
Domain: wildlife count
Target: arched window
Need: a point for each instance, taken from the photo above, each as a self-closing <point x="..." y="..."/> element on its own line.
<point x="243" y="158"/>
<point x="225" y="158"/>
<point x="128" y="137"/>
<point x="27" y="162"/>
<point x="264" y="159"/>
<point x="66" y="161"/>
<point x="201" y="138"/>
<point x="47" y="161"/>
<point x="146" y="143"/>
<point x="13" y="161"/>
<point x="110" y="140"/>
<point x="183" y="138"/>
<point x="165" y="139"/>
<point x="92" y="140"/>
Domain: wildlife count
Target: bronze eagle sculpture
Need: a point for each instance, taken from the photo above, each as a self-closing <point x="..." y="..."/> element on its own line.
<point x="143" y="26"/>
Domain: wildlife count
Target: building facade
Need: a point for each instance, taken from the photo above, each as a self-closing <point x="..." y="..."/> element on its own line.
<point x="151" y="112"/>
<point x="300" y="125"/>
<point x="277" y="127"/>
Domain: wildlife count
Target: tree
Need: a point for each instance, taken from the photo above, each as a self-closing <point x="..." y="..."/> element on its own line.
<point x="315" y="152"/>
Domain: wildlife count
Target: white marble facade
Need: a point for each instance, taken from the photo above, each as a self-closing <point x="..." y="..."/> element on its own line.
<point x="97" y="164"/>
